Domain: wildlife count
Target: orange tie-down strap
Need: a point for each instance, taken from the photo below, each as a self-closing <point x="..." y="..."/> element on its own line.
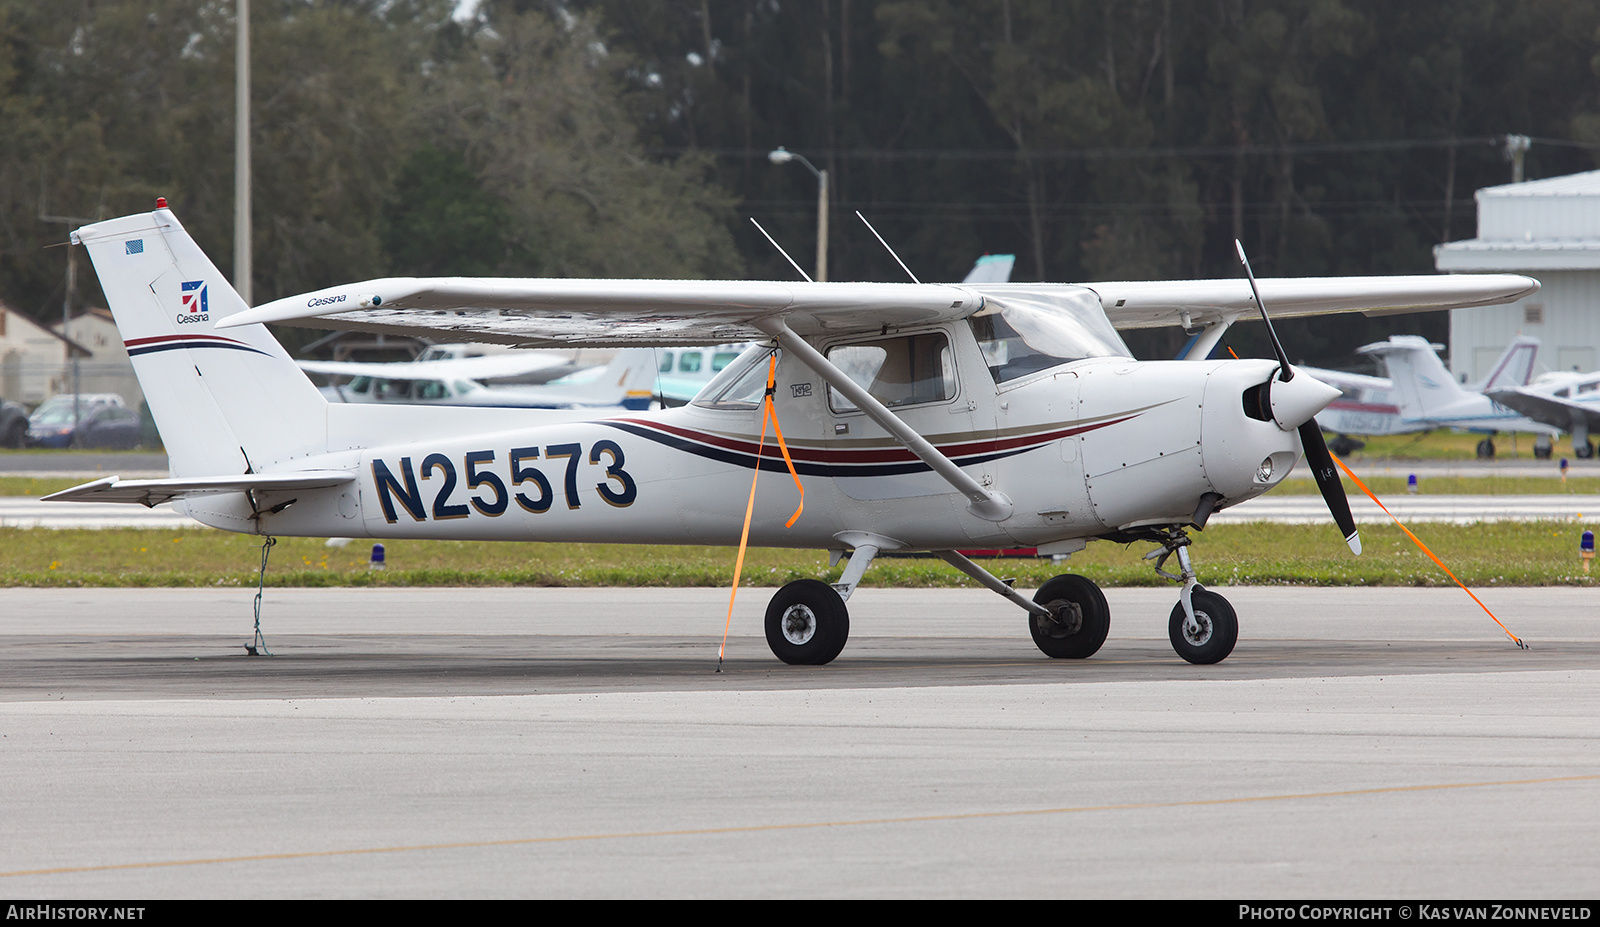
<point x="1424" y="548"/>
<point x="769" y="413"/>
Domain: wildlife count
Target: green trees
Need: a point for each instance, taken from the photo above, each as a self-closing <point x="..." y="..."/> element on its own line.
<point x="387" y="138"/>
<point x="1096" y="140"/>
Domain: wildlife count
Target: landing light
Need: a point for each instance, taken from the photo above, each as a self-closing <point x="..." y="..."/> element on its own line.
<point x="1264" y="472"/>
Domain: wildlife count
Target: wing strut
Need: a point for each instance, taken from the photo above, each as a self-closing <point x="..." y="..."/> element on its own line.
<point x="1206" y="341"/>
<point x="984" y="503"/>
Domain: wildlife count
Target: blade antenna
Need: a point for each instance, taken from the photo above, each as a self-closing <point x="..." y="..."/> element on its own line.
<point x="1283" y="359"/>
<point x="886" y="247"/>
<point x="785" y="254"/>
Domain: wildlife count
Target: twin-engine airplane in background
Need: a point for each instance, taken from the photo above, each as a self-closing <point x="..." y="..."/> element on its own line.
<point x="925" y="417"/>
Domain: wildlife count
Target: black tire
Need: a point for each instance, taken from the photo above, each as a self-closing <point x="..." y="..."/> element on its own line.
<point x="1486" y="449"/>
<point x="1583" y="451"/>
<point x="16" y="435"/>
<point x="1085" y="618"/>
<point x="807" y="623"/>
<point x="1219" y="628"/>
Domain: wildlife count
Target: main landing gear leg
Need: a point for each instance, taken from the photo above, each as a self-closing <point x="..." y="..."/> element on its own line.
<point x="1203" y="627"/>
<point x="1068" y="616"/>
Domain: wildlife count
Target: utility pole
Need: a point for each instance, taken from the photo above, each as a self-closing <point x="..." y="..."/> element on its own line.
<point x="70" y="361"/>
<point x="242" y="269"/>
<point x="1515" y="147"/>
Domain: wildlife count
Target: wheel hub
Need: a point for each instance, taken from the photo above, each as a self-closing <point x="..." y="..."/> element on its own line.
<point x="1066" y="618"/>
<point x="799" y="625"/>
<point x="1200" y="632"/>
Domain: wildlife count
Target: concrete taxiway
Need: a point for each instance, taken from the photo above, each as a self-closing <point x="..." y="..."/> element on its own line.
<point x="1360" y="743"/>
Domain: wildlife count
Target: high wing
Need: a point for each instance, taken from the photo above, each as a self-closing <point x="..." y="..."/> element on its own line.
<point x="619" y="313"/>
<point x="1542" y="406"/>
<point x="154" y="492"/>
<point x="491" y="367"/>
<point x="560" y="312"/>
<point x="1155" y="304"/>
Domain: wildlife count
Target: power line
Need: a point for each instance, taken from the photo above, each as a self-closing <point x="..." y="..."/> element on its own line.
<point x="1100" y="154"/>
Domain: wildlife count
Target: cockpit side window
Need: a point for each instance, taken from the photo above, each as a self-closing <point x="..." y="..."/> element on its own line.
<point x="903" y="371"/>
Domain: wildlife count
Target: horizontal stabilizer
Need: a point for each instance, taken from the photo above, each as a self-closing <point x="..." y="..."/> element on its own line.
<point x="154" y="492"/>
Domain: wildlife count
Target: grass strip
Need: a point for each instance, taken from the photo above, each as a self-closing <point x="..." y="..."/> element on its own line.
<point x="1483" y="555"/>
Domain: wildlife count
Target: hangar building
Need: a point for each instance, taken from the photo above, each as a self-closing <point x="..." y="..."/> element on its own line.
<point x="1549" y="230"/>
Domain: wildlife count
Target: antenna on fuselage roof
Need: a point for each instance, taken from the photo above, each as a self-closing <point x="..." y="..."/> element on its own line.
<point x="886" y="247"/>
<point x="785" y="254"/>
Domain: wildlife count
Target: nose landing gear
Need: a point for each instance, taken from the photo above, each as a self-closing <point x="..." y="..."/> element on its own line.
<point x="1203" y="627"/>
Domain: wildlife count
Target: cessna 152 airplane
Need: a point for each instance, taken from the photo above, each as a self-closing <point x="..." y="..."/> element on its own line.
<point x="930" y="417"/>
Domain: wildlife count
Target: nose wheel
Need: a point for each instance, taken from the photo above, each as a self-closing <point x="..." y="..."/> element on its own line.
<point x="1208" y="637"/>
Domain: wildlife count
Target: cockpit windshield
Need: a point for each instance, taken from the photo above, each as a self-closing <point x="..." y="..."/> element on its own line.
<point x="1022" y="330"/>
<point x="740" y="385"/>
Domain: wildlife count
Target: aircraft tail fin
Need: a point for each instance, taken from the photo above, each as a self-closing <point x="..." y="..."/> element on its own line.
<point x="224" y="404"/>
<point x="1423" y="388"/>
<point x="991" y="268"/>
<point x="633" y="371"/>
<point x="1515" y="366"/>
<point x="628" y="381"/>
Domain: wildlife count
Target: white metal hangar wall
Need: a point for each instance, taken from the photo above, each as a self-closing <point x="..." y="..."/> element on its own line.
<point x="1547" y="229"/>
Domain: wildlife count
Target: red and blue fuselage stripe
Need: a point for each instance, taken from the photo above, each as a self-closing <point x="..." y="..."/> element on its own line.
<point x="829" y="462"/>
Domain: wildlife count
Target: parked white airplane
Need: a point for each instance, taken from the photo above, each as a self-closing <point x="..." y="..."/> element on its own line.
<point x="1563" y="401"/>
<point x="1419" y="394"/>
<point x="993" y="416"/>
<point x="624" y="383"/>
<point x="1430" y="397"/>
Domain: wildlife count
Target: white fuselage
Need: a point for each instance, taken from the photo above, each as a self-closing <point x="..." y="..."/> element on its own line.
<point x="1081" y="450"/>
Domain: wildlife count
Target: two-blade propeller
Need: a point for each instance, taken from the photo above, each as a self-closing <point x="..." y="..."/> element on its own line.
<point x="1317" y="455"/>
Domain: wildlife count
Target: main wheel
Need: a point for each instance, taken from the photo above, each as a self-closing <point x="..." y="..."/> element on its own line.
<point x="807" y="623"/>
<point x="1082" y="618"/>
<point x="1217" y="633"/>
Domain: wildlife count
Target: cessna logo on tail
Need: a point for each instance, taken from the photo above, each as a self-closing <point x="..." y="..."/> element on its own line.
<point x="195" y="302"/>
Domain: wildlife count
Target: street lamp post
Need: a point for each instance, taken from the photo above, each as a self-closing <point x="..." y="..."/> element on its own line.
<point x="781" y="155"/>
